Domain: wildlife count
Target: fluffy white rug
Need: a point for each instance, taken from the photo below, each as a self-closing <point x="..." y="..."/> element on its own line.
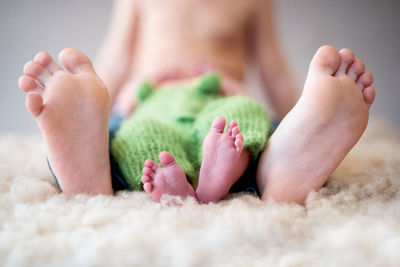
<point x="353" y="221"/>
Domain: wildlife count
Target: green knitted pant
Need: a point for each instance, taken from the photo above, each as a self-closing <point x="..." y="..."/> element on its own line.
<point x="177" y="119"/>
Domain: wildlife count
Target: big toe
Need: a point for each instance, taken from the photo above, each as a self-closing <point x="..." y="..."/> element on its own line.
<point x="75" y="61"/>
<point x="218" y="124"/>
<point x="326" y="60"/>
<point x="166" y="158"/>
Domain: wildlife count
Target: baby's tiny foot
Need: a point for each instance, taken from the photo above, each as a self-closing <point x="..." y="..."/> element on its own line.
<point x="221" y="158"/>
<point x="170" y="179"/>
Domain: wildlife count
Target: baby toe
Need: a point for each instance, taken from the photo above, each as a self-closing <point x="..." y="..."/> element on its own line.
<point x="235" y="131"/>
<point x="145" y="179"/>
<point x="148" y="187"/>
<point x="147" y="171"/>
<point x="228" y="132"/>
<point x="149" y="163"/>
<point x="240" y="136"/>
<point x="232" y="124"/>
<point x="239" y="144"/>
<point x="218" y="124"/>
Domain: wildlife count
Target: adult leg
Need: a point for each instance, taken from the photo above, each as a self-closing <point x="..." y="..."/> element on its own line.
<point x="327" y="121"/>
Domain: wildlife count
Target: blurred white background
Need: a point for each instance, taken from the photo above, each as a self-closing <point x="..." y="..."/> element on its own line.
<point x="370" y="27"/>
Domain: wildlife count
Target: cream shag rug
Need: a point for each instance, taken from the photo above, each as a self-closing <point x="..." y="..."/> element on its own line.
<point x="353" y="221"/>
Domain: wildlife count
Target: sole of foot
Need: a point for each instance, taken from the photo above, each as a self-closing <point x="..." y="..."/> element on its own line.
<point x="170" y="179"/>
<point x="224" y="161"/>
<point x="328" y="120"/>
<point x="71" y="108"/>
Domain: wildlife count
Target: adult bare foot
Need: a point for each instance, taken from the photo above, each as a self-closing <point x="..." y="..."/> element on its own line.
<point x="71" y="110"/>
<point x="170" y="179"/>
<point x="328" y="120"/>
<point x="223" y="161"/>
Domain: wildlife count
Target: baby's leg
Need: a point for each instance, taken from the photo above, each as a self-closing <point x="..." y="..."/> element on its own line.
<point x="320" y="130"/>
<point x="254" y="125"/>
<point x="71" y="110"/>
<point x="224" y="161"/>
<point x="142" y="137"/>
<point x="170" y="179"/>
<point x="213" y="147"/>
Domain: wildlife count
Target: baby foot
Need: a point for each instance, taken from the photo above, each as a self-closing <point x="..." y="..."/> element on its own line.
<point x="71" y="109"/>
<point x="327" y="121"/>
<point x="170" y="179"/>
<point x="221" y="158"/>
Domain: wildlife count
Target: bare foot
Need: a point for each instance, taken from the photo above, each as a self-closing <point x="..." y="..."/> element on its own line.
<point x="170" y="179"/>
<point x="327" y="121"/>
<point x="71" y="110"/>
<point x="223" y="161"/>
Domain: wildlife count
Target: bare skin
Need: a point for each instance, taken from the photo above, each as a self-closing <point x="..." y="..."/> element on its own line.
<point x="309" y="144"/>
<point x="170" y="179"/>
<point x="147" y="37"/>
<point x="71" y="110"/>
<point x="320" y="130"/>
<point x="224" y="161"/>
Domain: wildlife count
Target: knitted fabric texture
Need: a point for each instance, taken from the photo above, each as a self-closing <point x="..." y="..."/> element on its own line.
<point x="177" y="119"/>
